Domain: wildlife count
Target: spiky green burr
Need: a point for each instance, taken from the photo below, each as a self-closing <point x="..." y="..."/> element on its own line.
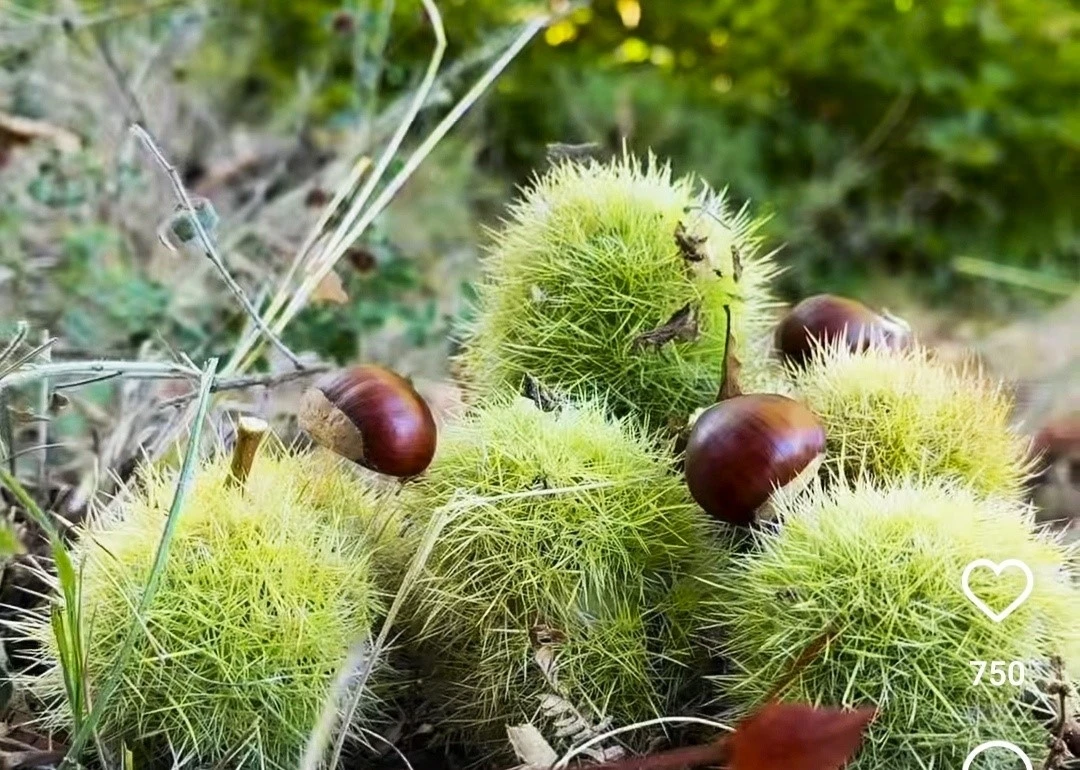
<point x="616" y="280"/>
<point x="869" y="582"/>
<point x="890" y="414"/>
<point x="567" y="578"/>
<point x="265" y="591"/>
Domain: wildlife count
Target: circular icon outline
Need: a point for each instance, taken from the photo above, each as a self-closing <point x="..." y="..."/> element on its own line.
<point x="998" y="745"/>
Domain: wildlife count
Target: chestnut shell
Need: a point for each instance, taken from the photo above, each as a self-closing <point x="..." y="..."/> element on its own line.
<point x="826" y="318"/>
<point x="395" y="429"/>
<point x="742" y="449"/>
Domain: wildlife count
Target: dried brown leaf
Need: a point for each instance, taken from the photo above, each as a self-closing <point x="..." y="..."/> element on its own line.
<point x="682" y="326"/>
<point x="557" y="151"/>
<point x="730" y="386"/>
<point x="15" y="130"/>
<point x="795" y="736"/>
<point x="691" y="246"/>
<point x="330" y="290"/>
<point x="545" y="400"/>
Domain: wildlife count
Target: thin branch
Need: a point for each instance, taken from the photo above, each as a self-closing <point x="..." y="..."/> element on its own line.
<point x="147" y="370"/>
<point x="208" y="243"/>
<point x="806" y="657"/>
<point x="134" y="106"/>
<point x="343" y="229"/>
<point x="889" y="121"/>
<point x="30" y="450"/>
<point x="21" y="330"/>
<point x="251" y="381"/>
<point x="321" y="265"/>
<point x="30" y="356"/>
<point x="87" y="381"/>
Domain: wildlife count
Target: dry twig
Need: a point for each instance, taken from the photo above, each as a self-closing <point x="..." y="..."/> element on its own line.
<point x="208" y="243"/>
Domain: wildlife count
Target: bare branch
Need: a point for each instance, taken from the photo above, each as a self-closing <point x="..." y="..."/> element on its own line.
<point x="208" y="243"/>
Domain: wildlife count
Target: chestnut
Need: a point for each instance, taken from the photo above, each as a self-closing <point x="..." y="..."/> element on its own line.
<point x="826" y="318"/>
<point x="744" y="448"/>
<point x="372" y="416"/>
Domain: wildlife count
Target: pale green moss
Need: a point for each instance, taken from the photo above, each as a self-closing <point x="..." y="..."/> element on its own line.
<point x="572" y="548"/>
<point x="588" y="262"/>
<point x="878" y="574"/>
<point x="891" y="414"/>
<point x="263" y="595"/>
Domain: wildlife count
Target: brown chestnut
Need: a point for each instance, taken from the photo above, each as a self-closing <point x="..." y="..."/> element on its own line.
<point x="743" y="449"/>
<point x="826" y="318"/>
<point x="373" y="417"/>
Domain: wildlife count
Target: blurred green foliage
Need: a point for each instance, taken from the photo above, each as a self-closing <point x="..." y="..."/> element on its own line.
<point x="879" y="134"/>
<point x="389" y="289"/>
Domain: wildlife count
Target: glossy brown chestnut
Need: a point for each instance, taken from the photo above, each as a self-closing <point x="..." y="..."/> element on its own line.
<point x="825" y="318"/>
<point x="373" y="417"/>
<point x="744" y="448"/>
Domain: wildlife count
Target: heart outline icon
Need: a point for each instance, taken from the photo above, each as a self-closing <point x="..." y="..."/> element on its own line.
<point x="997" y="569"/>
<point x="997" y="745"/>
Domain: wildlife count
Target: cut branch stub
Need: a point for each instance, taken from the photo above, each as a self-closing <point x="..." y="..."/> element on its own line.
<point x="250" y="432"/>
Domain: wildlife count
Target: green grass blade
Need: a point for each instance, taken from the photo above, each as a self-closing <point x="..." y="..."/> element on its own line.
<point x="66" y="626"/>
<point x="1016" y="276"/>
<point x="187" y="471"/>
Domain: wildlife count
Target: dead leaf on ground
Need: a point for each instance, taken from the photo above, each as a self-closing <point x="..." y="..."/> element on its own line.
<point x="330" y="290"/>
<point x="530" y="747"/>
<point x="15" y="130"/>
<point x="795" y="736"/>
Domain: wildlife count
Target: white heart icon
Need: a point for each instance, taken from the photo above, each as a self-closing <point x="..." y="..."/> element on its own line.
<point x="997" y="617"/>
<point x="997" y="745"/>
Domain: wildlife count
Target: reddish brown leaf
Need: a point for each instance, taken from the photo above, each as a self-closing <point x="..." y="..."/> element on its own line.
<point x="705" y="755"/>
<point x="794" y="736"/>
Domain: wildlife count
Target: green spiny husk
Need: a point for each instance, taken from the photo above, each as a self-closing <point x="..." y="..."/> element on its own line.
<point x="873" y="578"/>
<point x="588" y="268"/>
<point x="890" y="414"/>
<point x="265" y="591"/>
<point x="570" y="571"/>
